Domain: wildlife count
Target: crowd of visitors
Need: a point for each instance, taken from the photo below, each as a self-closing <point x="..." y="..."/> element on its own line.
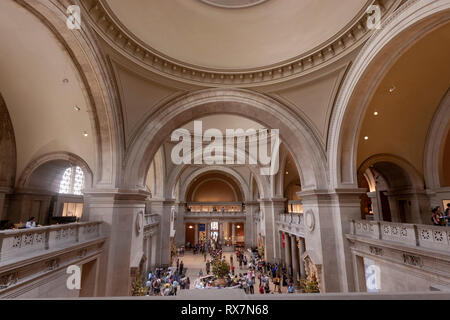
<point x="259" y="274"/>
<point x="439" y="218"/>
<point x="167" y="281"/>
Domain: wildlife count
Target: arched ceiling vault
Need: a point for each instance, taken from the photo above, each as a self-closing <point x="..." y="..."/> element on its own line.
<point x="33" y="67"/>
<point x="419" y="80"/>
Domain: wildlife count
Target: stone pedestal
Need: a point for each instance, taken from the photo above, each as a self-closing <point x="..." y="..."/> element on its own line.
<point x="122" y="212"/>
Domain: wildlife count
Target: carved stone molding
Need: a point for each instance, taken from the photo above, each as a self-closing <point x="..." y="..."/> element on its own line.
<point x="376" y="251"/>
<point x="109" y="27"/>
<point x="412" y="260"/>
<point x="52" y="264"/>
<point x="310" y="221"/>
<point x="8" y="280"/>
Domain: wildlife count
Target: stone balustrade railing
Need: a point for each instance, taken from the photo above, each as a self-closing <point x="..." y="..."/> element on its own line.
<point x="151" y="219"/>
<point x="292" y="218"/>
<point x="16" y="244"/>
<point x="217" y="214"/>
<point x="425" y="236"/>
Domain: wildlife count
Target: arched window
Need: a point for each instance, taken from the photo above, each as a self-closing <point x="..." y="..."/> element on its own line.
<point x="72" y="181"/>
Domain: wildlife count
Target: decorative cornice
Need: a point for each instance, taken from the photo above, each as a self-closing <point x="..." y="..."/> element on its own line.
<point x="115" y="34"/>
<point x="236" y="4"/>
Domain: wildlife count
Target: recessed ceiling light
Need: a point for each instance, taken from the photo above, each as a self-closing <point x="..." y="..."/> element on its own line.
<point x="85" y="134"/>
<point x="287" y="172"/>
<point x="375" y="113"/>
<point x="366" y="138"/>
<point x="65" y="80"/>
<point x="392" y="89"/>
<point x="76" y="108"/>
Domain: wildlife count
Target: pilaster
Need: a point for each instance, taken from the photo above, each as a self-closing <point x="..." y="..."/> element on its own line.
<point x="122" y="212"/>
<point x="163" y="207"/>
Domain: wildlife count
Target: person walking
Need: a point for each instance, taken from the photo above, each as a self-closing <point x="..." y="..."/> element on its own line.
<point x="204" y="255"/>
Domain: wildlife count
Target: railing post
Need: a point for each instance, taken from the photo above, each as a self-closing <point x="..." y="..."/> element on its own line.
<point x="379" y="230"/>
<point x="416" y="235"/>
<point x="352" y="227"/>
<point x="47" y="239"/>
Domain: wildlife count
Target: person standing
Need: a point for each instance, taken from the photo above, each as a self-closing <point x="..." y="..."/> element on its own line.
<point x="181" y="267"/>
<point x="208" y="267"/>
<point x="291" y="288"/>
<point x="175" y="287"/>
<point x="251" y="285"/>
<point x="204" y="255"/>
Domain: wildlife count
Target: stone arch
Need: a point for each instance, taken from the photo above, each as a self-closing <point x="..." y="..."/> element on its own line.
<point x="294" y="132"/>
<point x="8" y="155"/>
<point x="233" y="174"/>
<point x="94" y="74"/>
<point x="406" y="172"/>
<point x="230" y="186"/>
<point x="157" y="174"/>
<point x="435" y="145"/>
<point x="408" y="24"/>
<point x="61" y="159"/>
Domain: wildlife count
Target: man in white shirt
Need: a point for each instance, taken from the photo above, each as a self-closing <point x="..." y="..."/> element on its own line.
<point x="30" y="223"/>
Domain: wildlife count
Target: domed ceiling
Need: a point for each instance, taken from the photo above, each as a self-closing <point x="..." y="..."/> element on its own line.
<point x="259" y="34"/>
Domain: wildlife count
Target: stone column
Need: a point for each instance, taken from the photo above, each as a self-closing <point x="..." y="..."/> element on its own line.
<point x="288" y="253"/>
<point x="327" y="217"/>
<point x="282" y="250"/>
<point x="122" y="213"/>
<point x="3" y="193"/>
<point x="196" y="234"/>
<point x="375" y="206"/>
<point x="251" y="208"/>
<point x="271" y="210"/>
<point x="301" y="251"/>
<point x="180" y="226"/>
<point x="295" y="262"/>
<point x="163" y="207"/>
<point x="149" y="253"/>
<point x="208" y="231"/>
<point x="233" y="232"/>
<point x="154" y="249"/>
<point x="220" y="237"/>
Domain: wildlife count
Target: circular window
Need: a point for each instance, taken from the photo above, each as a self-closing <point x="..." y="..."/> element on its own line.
<point x="233" y="4"/>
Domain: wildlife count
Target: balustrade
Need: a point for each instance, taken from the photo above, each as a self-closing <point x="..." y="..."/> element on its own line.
<point x="426" y="236"/>
<point x="15" y="244"/>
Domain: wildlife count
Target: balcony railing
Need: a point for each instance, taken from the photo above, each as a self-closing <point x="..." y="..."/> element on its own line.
<point x="291" y="218"/>
<point x="215" y="214"/>
<point x="151" y="219"/>
<point x="16" y="244"/>
<point x="425" y="236"/>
